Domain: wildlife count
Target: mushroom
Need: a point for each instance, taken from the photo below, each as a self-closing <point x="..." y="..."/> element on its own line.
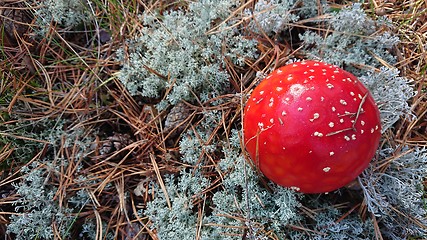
<point x="311" y="126"/>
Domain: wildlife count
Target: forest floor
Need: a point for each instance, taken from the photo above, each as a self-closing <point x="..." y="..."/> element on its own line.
<point x="61" y="98"/>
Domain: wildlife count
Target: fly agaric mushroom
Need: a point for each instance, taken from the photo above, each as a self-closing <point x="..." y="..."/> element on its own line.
<point x="311" y="126"/>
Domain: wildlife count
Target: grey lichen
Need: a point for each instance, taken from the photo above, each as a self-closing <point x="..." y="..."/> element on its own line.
<point x="272" y="16"/>
<point x="184" y="52"/>
<point x="40" y="215"/>
<point x="391" y="92"/>
<point x="241" y="201"/>
<point x="354" y="39"/>
<point x="355" y="42"/>
<point x="67" y="13"/>
<point x="170" y="222"/>
<point x="397" y="195"/>
<point x="39" y="210"/>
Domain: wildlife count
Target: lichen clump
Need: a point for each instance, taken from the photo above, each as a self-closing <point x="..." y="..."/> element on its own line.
<point x="185" y="53"/>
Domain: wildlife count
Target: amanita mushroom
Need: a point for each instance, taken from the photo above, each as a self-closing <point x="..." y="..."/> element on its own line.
<point x="311" y="126"/>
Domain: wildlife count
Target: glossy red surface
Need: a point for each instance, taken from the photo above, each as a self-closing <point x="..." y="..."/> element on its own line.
<point x="311" y="126"/>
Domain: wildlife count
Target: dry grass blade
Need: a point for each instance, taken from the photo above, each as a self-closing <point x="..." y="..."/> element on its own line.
<point x="160" y="180"/>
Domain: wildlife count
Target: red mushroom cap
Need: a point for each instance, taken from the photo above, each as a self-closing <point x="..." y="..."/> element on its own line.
<point x="311" y="126"/>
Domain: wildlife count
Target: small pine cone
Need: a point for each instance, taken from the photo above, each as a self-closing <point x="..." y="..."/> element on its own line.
<point x="175" y="119"/>
<point x="114" y="143"/>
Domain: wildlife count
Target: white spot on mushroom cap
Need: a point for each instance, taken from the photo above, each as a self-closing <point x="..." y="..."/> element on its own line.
<point x="353" y="137"/>
<point x="295" y="188"/>
<point x="299" y="109"/>
<point x="261" y="92"/>
<point x="347" y="138"/>
<point x="315" y="116"/>
<point x="283" y="113"/>
<point x="297" y="89"/>
<point x="331" y="153"/>
<point x="279" y="89"/>
<point x="271" y="120"/>
<point x="331" y="124"/>
<point x="271" y="102"/>
<point x="318" y="134"/>
<point x="326" y="169"/>
<point x="308" y="99"/>
<point x="343" y="102"/>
